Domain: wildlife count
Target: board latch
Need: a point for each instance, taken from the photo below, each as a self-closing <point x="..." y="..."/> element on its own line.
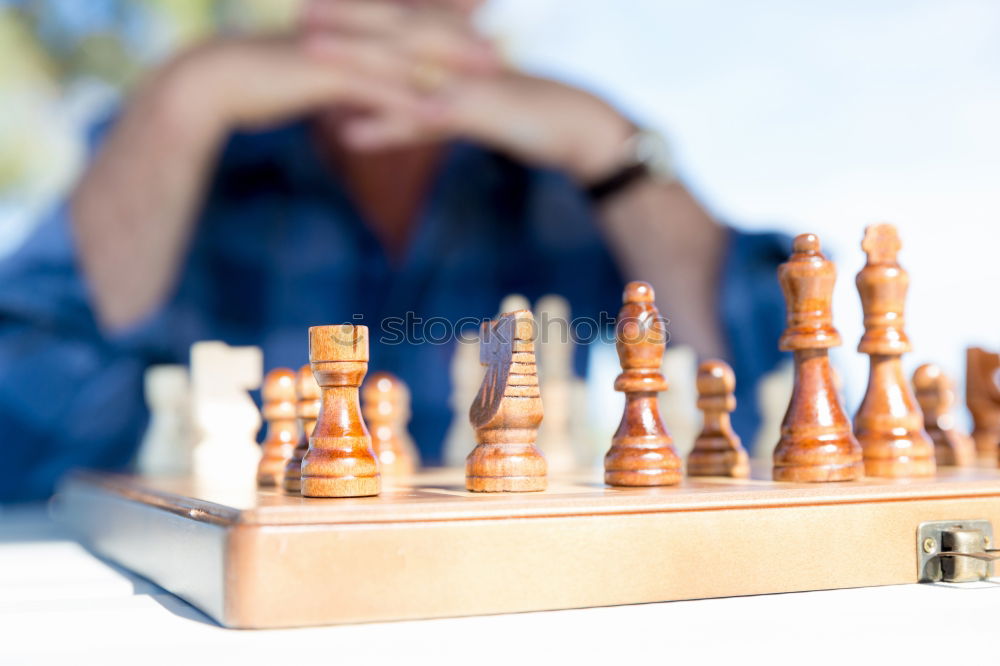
<point x="955" y="551"/>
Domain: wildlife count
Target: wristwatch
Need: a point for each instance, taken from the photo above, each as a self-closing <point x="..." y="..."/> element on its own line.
<point x="647" y="155"/>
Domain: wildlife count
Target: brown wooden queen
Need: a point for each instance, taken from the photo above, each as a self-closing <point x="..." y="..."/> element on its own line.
<point x="816" y="441"/>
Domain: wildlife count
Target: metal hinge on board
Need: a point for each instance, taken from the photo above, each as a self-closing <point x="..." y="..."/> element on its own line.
<point x="955" y="551"/>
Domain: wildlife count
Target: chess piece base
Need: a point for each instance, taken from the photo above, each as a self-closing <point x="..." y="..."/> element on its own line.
<point x="987" y="448"/>
<point x="505" y="484"/>
<point x="642" y="465"/>
<point x="351" y="486"/>
<point x="898" y="468"/>
<point x="734" y="464"/>
<point x="642" y="477"/>
<point x="498" y="468"/>
<point x="271" y="472"/>
<point x="819" y="473"/>
<point x="506" y="468"/>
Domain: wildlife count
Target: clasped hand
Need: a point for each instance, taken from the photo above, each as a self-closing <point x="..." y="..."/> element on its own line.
<point x="395" y="75"/>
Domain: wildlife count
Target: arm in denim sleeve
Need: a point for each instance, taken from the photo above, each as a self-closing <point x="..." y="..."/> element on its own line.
<point x="69" y="396"/>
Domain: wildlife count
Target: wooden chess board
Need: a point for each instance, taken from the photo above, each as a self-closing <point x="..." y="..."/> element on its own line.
<point x="257" y="559"/>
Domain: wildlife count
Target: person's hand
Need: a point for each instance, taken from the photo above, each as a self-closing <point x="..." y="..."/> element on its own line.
<point x="251" y="82"/>
<point x="462" y="92"/>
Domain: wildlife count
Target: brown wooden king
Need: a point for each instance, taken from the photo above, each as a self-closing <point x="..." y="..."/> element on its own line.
<point x="340" y="461"/>
<point x="816" y="441"/>
<point x="889" y="425"/>
<point x="642" y="452"/>
<point x="507" y="411"/>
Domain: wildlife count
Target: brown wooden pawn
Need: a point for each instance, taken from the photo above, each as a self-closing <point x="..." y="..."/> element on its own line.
<point x="888" y="425"/>
<point x="507" y="411"/>
<point x="340" y="461"/>
<point x="982" y="397"/>
<point x="816" y="441"/>
<point x="642" y="452"/>
<point x="718" y="450"/>
<point x="306" y="411"/>
<point x="385" y="404"/>
<point x="278" y="396"/>
<point x="936" y="395"/>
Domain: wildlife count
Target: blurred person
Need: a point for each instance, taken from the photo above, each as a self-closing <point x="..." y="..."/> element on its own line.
<point x="380" y="160"/>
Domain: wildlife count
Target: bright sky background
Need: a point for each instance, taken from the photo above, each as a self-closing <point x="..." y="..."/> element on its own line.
<point x="816" y="116"/>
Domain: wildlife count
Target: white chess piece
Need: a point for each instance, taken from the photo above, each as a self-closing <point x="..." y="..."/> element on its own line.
<point x="514" y="302"/>
<point x="466" y="376"/>
<point x="167" y="444"/>
<point x="774" y="390"/>
<point x="679" y="403"/>
<point x="556" y="379"/>
<point x="226" y="418"/>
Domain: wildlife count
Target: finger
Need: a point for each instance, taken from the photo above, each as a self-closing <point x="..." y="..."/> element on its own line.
<point x="370" y="17"/>
<point x="298" y="83"/>
<point x="359" y="55"/>
<point x="438" y="36"/>
<point x="385" y="130"/>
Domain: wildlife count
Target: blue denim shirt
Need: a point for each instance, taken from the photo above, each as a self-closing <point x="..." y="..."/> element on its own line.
<point x="280" y="247"/>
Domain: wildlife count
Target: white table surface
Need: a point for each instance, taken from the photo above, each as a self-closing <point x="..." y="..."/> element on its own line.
<point x="61" y="604"/>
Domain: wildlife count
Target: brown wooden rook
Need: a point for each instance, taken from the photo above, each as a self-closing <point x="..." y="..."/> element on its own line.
<point x="889" y="425"/>
<point x="816" y="441"/>
<point x="642" y="452"/>
<point x="340" y="461"/>
<point x="718" y="450"/>
<point x="507" y="411"/>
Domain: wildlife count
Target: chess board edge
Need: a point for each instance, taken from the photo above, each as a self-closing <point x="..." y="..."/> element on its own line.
<point x="432" y="551"/>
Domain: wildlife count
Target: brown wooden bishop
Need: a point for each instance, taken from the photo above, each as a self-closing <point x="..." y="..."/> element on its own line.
<point x="936" y="395"/>
<point x="641" y="452"/>
<point x="889" y="425"/>
<point x="385" y="404"/>
<point x="340" y="461"/>
<point x="816" y="441"/>
<point x="718" y="450"/>
<point x="306" y="410"/>
<point x="278" y="395"/>
<point x="982" y="397"/>
<point x="507" y="411"/>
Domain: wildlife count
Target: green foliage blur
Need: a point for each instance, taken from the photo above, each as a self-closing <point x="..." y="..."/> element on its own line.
<point x="65" y="63"/>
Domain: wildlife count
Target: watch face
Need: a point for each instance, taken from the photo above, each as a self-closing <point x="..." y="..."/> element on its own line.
<point x="652" y="149"/>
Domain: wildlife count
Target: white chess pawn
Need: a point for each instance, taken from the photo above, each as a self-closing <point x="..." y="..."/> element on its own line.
<point x="167" y="444"/>
<point x="678" y="405"/>
<point x="556" y="379"/>
<point x="226" y="418"/>
<point x="774" y="390"/>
